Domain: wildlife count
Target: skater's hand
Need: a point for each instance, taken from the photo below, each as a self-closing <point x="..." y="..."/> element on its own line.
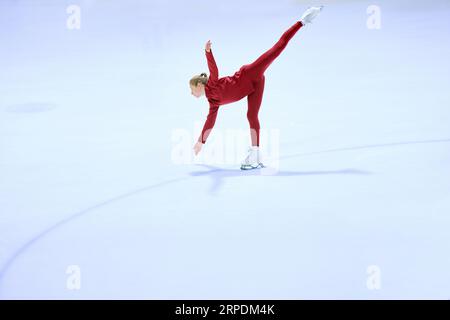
<point x="208" y="46"/>
<point x="198" y="147"/>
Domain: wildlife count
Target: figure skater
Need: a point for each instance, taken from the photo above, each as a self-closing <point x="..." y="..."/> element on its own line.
<point x="247" y="82"/>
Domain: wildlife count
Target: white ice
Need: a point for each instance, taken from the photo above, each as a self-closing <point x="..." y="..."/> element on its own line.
<point x="87" y="177"/>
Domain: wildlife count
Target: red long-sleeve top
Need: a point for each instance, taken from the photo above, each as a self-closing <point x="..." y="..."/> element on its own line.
<point x="220" y="91"/>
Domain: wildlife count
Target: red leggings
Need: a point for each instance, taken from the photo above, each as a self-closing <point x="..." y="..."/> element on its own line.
<point x="256" y="71"/>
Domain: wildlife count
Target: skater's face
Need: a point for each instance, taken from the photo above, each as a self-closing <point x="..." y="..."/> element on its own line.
<point x="198" y="91"/>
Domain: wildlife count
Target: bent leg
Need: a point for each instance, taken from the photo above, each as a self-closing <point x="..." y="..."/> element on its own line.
<point x="257" y="68"/>
<point x="254" y="103"/>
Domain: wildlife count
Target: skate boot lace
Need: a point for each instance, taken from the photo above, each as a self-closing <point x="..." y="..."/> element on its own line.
<point x="250" y="153"/>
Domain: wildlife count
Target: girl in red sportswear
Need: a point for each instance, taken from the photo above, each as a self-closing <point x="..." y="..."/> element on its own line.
<point x="248" y="82"/>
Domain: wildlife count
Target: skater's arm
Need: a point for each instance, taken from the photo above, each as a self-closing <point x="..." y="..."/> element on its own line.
<point x="212" y="66"/>
<point x="209" y="123"/>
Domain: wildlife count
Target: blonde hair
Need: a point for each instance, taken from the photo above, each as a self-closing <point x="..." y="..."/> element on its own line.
<point x="201" y="78"/>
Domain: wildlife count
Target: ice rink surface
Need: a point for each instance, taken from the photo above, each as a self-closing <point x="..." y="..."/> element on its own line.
<point x="358" y="207"/>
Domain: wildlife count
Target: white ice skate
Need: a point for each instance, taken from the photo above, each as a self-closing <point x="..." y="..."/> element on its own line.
<point x="310" y="14"/>
<point x="252" y="161"/>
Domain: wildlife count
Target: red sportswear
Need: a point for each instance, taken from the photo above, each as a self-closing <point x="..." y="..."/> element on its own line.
<point x="247" y="81"/>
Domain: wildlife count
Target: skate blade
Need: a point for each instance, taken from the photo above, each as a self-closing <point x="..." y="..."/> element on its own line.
<point x="250" y="167"/>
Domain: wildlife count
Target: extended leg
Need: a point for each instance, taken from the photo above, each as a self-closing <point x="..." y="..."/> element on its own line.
<point x="256" y="69"/>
